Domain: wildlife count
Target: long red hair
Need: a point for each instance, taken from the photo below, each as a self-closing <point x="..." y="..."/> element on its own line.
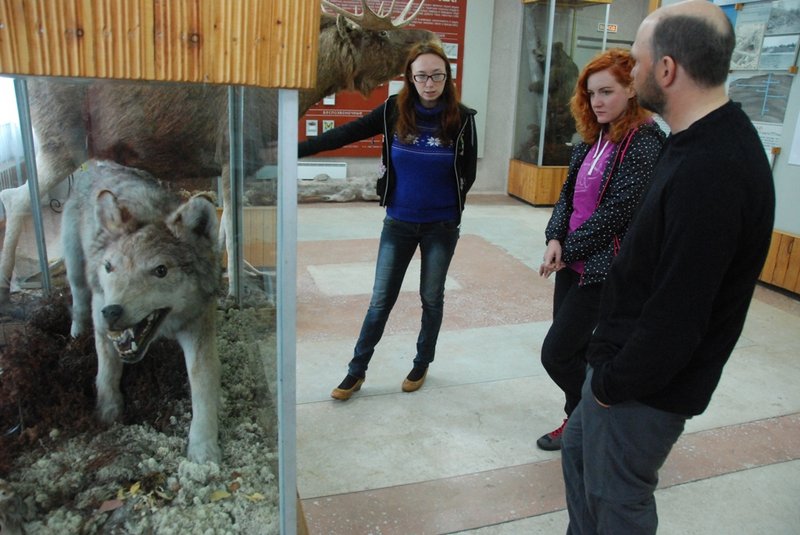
<point x="619" y="63"/>
<point x="408" y="96"/>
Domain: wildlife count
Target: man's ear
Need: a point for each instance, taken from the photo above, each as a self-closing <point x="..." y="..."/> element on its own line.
<point x="666" y="69"/>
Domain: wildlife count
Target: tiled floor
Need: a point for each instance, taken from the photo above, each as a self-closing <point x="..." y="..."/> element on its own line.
<point x="459" y="455"/>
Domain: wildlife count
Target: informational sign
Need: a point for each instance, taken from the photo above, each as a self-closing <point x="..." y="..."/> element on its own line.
<point x="767" y="42"/>
<point x="446" y="18"/>
<point x="612" y="28"/>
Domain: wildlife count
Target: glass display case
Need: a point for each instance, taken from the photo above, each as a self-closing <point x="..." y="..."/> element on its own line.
<point x="139" y="360"/>
<point x="558" y="38"/>
<point x="147" y="308"/>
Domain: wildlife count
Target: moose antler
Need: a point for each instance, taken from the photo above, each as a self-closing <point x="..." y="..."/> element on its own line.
<point x="370" y="20"/>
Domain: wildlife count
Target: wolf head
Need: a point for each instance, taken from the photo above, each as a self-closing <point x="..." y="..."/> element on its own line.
<point x="156" y="275"/>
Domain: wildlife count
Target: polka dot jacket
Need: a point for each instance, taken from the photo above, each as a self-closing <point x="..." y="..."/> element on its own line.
<point x="594" y="241"/>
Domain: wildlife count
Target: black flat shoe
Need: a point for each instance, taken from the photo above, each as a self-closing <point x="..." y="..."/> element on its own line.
<point x="345" y="390"/>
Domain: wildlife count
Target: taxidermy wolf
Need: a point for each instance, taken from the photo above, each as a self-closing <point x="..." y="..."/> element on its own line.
<point x="142" y="263"/>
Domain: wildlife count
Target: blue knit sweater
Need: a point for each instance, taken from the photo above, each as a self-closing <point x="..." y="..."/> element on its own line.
<point x="425" y="191"/>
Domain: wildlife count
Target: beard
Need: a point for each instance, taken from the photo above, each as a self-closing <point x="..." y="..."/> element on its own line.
<point x="650" y="95"/>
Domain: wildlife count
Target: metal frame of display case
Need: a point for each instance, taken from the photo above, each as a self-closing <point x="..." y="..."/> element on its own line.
<point x="536" y="183"/>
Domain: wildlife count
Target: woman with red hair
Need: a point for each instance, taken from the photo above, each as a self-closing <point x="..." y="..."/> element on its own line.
<point x="607" y="175"/>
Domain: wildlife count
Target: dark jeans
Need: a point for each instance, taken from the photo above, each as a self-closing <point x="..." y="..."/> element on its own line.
<point x="399" y="241"/>
<point x="610" y="458"/>
<point x="575" y="313"/>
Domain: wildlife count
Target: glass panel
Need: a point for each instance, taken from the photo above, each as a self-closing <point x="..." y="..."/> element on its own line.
<point x="578" y="33"/>
<point x="136" y="262"/>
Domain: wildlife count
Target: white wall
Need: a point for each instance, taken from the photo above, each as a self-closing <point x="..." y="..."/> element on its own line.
<point x="500" y="112"/>
<point x="477" y="58"/>
<point x="787" y="177"/>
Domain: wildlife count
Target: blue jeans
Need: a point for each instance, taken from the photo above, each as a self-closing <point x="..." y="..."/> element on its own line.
<point x="610" y="458"/>
<point x="399" y="241"/>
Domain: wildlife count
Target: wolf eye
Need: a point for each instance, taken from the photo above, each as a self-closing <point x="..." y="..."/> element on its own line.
<point x="108" y="266"/>
<point x="160" y="271"/>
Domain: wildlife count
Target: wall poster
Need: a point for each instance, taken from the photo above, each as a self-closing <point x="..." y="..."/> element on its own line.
<point x="446" y="18"/>
<point x="767" y="42"/>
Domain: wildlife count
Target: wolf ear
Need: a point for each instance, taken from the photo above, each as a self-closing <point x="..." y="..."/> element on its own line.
<point x="196" y="218"/>
<point x="112" y="216"/>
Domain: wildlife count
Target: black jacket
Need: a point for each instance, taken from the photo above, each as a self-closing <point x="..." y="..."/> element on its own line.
<point x="594" y="241"/>
<point x="382" y="120"/>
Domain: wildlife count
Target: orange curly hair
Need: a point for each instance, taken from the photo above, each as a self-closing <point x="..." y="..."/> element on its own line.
<point x="619" y="63"/>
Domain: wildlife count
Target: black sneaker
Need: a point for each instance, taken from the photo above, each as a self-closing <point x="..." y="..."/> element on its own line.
<point x="347" y="387"/>
<point x="552" y="440"/>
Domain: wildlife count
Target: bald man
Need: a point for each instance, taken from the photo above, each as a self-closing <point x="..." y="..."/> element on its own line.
<point x="677" y="294"/>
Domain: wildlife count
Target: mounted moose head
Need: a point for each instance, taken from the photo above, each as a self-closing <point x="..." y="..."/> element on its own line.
<point x="360" y="51"/>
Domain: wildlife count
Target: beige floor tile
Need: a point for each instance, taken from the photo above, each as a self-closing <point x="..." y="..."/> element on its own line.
<point x="454" y="457"/>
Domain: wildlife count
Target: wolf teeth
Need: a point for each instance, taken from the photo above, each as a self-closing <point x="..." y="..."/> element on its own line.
<point x="121" y="336"/>
<point x="125" y="341"/>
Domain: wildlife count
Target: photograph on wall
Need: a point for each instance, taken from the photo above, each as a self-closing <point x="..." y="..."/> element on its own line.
<point x="450" y="50"/>
<point x="784" y="17"/>
<point x="763" y="96"/>
<point x="748" y="46"/>
<point x="751" y="24"/>
<point x="778" y="52"/>
<point x="311" y="127"/>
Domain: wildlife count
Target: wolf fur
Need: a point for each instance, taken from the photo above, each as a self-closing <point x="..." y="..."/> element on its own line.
<point x="143" y="264"/>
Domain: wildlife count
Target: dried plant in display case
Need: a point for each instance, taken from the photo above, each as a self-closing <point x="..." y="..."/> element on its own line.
<point x="64" y="473"/>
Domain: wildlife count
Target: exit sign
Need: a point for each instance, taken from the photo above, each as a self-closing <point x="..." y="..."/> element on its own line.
<point x="612" y="28"/>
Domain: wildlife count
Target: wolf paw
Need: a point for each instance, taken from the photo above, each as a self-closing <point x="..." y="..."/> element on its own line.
<point x="75" y="330"/>
<point x="204" y="452"/>
<point x="109" y="408"/>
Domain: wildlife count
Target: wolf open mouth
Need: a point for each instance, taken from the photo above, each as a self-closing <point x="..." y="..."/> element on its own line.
<point x="132" y="343"/>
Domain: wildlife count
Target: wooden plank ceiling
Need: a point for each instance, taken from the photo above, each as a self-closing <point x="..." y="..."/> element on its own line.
<point x="266" y="43"/>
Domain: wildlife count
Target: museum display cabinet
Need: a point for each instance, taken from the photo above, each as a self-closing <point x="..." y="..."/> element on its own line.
<point x="156" y="124"/>
<point x="558" y="38"/>
<point x="549" y="67"/>
<point x="782" y="267"/>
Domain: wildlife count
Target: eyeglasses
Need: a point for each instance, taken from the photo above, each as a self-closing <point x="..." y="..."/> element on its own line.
<point x="437" y="78"/>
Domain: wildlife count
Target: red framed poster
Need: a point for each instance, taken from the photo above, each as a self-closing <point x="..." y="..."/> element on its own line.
<point x="446" y="18"/>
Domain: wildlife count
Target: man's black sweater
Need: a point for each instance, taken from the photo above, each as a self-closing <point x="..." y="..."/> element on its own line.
<point x="677" y="295"/>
